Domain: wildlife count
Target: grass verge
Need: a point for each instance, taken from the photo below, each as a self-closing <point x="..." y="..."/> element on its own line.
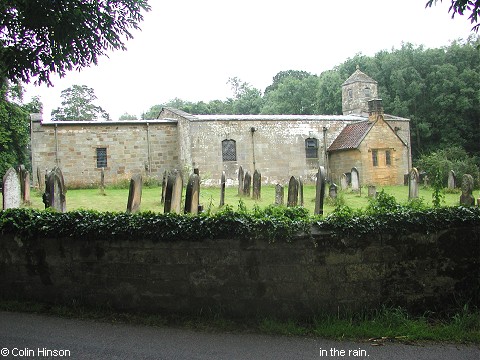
<point x="383" y="325"/>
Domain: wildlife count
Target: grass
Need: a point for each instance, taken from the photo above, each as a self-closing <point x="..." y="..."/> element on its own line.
<point x="383" y="325"/>
<point x="116" y="199"/>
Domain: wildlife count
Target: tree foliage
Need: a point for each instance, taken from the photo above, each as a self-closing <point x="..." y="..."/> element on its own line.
<point x="462" y="7"/>
<point x="41" y="37"/>
<point x="14" y="133"/>
<point x="78" y="104"/>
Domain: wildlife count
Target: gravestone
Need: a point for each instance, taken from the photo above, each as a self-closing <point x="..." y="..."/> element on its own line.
<point x="135" y="194"/>
<point x="292" y="199"/>
<point x="11" y="189"/>
<point x="344" y="181"/>
<point x="451" y="179"/>
<point x="222" y="189"/>
<point x="467" y="199"/>
<point x="300" y="191"/>
<point x="247" y="181"/>
<point x="332" y="191"/>
<point x="40" y="180"/>
<point x="279" y="194"/>
<point x="320" y="191"/>
<point x="413" y="180"/>
<point x="54" y="195"/>
<point x="372" y="191"/>
<point x="192" y="194"/>
<point x="102" y="181"/>
<point x="164" y="186"/>
<point x="257" y="185"/>
<point x="241" y="177"/>
<point x="173" y="193"/>
<point x="24" y="177"/>
<point x="355" y="179"/>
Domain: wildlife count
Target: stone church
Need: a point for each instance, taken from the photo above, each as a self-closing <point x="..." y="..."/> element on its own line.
<point x="278" y="146"/>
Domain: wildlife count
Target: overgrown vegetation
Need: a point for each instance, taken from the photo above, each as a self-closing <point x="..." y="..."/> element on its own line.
<point x="384" y="324"/>
<point x="383" y="214"/>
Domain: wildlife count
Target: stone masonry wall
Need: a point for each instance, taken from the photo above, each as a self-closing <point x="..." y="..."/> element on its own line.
<point x="132" y="147"/>
<point x="249" y="277"/>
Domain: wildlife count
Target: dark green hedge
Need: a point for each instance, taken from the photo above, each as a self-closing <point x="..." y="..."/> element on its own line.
<point x="272" y="223"/>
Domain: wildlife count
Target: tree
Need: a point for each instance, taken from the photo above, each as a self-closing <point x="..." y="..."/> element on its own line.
<point x="41" y="37"/>
<point x="127" y="116"/>
<point x="461" y="7"/>
<point x="77" y="104"/>
<point x="14" y="133"/>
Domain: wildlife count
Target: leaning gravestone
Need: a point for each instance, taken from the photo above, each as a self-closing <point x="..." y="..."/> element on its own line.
<point x="292" y="199"/>
<point x="278" y="194"/>
<point x="344" y="181"/>
<point x="173" y="193"/>
<point x="222" y="189"/>
<point x="241" y="177"/>
<point x="135" y="194"/>
<point x="332" y="191"/>
<point x="467" y="199"/>
<point x="192" y="194"/>
<point x="247" y="181"/>
<point x="54" y="195"/>
<point x="12" y="194"/>
<point x="320" y="191"/>
<point x="355" y="179"/>
<point x="451" y="179"/>
<point x="257" y="185"/>
<point x="413" y="181"/>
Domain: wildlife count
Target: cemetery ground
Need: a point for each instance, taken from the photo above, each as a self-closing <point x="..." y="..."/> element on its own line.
<point x="115" y="199"/>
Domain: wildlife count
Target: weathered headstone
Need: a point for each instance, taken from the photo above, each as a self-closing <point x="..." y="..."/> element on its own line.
<point x="355" y="179"/>
<point x="279" y="194"/>
<point x="413" y="180"/>
<point x="55" y="191"/>
<point x="292" y="199"/>
<point x="164" y="186"/>
<point x="12" y="194"/>
<point x="222" y="189"/>
<point x="372" y="191"/>
<point x="173" y="193"/>
<point x="40" y="180"/>
<point x="452" y="179"/>
<point x="192" y="194"/>
<point x="257" y="185"/>
<point x="320" y="191"/>
<point x="241" y="177"/>
<point x="102" y="181"/>
<point x="300" y="191"/>
<point x="24" y="177"/>
<point x="247" y="181"/>
<point x="467" y="199"/>
<point x="344" y="181"/>
<point x="135" y="194"/>
<point x="332" y="191"/>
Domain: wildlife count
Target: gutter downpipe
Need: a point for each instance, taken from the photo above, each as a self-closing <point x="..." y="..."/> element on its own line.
<point x="56" y="145"/>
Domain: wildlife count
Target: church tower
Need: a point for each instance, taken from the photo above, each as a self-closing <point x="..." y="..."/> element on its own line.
<point x="357" y="90"/>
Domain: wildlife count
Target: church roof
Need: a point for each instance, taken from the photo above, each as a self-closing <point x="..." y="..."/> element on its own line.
<point x="359" y="76"/>
<point x="351" y="136"/>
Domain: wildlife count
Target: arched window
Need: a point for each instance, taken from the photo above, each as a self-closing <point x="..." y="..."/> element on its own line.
<point x="311" y="148"/>
<point x="229" y="150"/>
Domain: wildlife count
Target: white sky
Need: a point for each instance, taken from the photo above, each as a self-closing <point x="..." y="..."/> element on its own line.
<point x="189" y="48"/>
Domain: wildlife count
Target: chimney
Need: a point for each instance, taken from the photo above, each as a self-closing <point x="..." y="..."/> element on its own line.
<point x="375" y="108"/>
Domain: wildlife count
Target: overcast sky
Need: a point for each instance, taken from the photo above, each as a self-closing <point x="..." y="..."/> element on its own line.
<point x="188" y="49"/>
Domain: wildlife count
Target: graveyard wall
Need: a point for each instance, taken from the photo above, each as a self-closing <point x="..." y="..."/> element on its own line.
<point x="248" y="277"/>
<point x="133" y="147"/>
